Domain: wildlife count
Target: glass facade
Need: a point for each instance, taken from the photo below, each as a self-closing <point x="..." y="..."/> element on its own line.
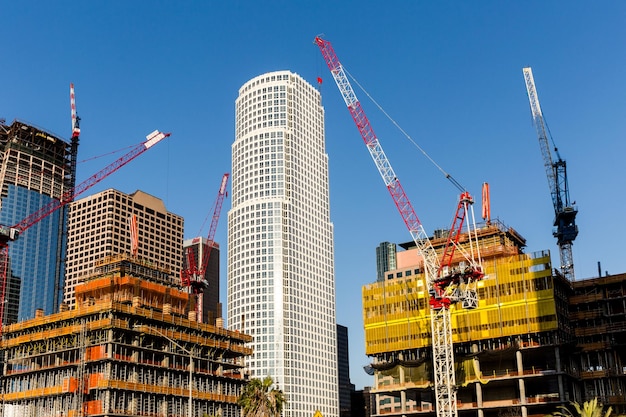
<point x="36" y="255"/>
<point x="385" y="259"/>
<point x="36" y="168"/>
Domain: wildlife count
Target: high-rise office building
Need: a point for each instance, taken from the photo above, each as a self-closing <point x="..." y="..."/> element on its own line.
<point x="99" y="226"/>
<point x="385" y="259"/>
<point x="37" y="167"/>
<point x="346" y="388"/>
<point x="209" y="307"/>
<point x="281" y="286"/>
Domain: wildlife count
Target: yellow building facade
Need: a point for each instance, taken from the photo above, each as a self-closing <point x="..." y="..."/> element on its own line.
<point x="509" y="352"/>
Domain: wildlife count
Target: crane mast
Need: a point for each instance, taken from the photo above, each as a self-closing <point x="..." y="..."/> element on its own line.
<point x="556" y="171"/>
<point x="439" y="286"/>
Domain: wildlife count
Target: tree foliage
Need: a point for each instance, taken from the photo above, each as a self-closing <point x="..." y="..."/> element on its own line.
<point x="591" y="408"/>
<point x="260" y="399"/>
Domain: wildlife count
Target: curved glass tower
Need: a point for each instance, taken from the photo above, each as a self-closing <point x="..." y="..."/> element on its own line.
<point x="281" y="286"/>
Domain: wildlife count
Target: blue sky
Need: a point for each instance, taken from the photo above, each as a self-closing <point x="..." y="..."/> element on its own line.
<point x="448" y="72"/>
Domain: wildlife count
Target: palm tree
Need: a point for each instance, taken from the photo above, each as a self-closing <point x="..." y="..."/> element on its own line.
<point x="591" y="408"/>
<point x="259" y="399"/>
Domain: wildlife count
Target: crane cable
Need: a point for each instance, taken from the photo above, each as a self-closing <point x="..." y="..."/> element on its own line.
<point x="447" y="175"/>
<point x="545" y="123"/>
<point x="108" y="153"/>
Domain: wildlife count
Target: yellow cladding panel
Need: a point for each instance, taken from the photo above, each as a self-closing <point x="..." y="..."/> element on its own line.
<point x="516" y="297"/>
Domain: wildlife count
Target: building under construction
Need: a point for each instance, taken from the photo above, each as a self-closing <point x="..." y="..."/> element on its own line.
<point x="598" y="317"/>
<point x="536" y="340"/>
<point x="126" y="349"/>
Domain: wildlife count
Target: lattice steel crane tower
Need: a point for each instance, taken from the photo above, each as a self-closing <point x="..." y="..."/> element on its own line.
<point x="445" y="287"/>
<point x="564" y="212"/>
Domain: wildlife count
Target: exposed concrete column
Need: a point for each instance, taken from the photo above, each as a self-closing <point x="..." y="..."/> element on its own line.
<point x="521" y="382"/>
<point x="377" y="403"/>
<point x="479" y="399"/>
<point x="557" y="357"/>
<point x="479" y="387"/>
<point x="401" y="377"/>
<point x="520" y="374"/>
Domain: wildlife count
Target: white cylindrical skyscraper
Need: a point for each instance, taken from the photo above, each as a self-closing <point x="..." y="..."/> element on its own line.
<point x="281" y="287"/>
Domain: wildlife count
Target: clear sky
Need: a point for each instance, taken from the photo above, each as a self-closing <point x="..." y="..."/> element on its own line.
<point x="448" y="72"/>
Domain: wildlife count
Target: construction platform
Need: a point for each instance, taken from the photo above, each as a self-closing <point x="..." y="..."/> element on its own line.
<point x="127" y="349"/>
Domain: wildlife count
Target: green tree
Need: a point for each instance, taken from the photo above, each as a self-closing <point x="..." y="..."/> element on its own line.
<point x="591" y="408"/>
<point x="260" y="399"/>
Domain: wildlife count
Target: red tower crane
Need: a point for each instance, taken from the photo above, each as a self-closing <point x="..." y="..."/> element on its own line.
<point x="444" y="289"/>
<point x="193" y="275"/>
<point x="10" y="233"/>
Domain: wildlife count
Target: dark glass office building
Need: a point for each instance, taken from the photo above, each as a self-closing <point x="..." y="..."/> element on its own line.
<point x="36" y="168"/>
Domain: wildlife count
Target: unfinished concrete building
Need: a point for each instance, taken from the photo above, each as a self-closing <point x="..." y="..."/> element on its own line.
<point x="126" y="349"/>
<point x="598" y="316"/>
<point x="512" y="353"/>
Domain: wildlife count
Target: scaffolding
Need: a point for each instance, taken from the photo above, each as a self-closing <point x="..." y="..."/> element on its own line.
<point x="118" y="353"/>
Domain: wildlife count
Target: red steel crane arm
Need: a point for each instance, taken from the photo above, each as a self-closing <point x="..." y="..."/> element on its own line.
<point x="213" y="228"/>
<point x="193" y="275"/>
<point x="152" y="139"/>
<point x="443" y="290"/>
<point x="455" y="230"/>
<point x="402" y="202"/>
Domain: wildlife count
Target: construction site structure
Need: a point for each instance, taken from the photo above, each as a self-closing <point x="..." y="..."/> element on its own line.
<point x="520" y="353"/>
<point x="565" y="228"/>
<point x="126" y="349"/>
<point x="597" y="310"/>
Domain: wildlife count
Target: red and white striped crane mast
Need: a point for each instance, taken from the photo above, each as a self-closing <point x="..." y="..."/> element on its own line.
<point x="193" y="275"/>
<point x="443" y="290"/>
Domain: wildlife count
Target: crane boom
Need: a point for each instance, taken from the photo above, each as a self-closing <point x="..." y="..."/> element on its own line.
<point x="556" y="172"/>
<point x="404" y="206"/>
<point x="439" y="287"/>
